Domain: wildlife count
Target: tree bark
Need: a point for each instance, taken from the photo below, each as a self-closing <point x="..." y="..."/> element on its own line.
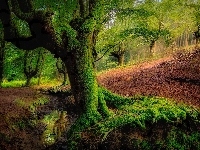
<point x="61" y="67"/>
<point x="41" y="66"/>
<point x="65" y="76"/>
<point x="82" y="75"/>
<point x="119" y="54"/>
<point x="121" y="59"/>
<point x="29" y="69"/>
<point x="151" y="47"/>
<point x="2" y="51"/>
<point x="28" y="81"/>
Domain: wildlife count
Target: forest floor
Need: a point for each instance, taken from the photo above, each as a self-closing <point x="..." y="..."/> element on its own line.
<point x="177" y="78"/>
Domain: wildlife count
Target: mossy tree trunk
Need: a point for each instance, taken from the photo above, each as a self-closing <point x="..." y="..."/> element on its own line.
<point x="82" y="75"/>
<point x="119" y="54"/>
<point x="81" y="72"/>
<point x="31" y="69"/>
<point x="61" y="67"/>
<point x="92" y="106"/>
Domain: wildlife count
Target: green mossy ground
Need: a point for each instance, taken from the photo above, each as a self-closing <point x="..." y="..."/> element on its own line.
<point x="182" y="121"/>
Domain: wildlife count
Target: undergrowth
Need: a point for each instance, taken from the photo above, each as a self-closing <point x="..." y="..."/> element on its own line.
<point x="56" y="123"/>
<point x="60" y="90"/>
<point x="176" y="139"/>
<point x="150" y="109"/>
<point x="32" y="106"/>
<point x="139" y="112"/>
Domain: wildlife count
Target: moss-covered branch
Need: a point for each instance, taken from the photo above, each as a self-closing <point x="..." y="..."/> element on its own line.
<point x="30" y="15"/>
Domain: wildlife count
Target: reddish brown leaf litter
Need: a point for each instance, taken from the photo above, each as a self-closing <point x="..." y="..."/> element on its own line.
<point x="177" y="78"/>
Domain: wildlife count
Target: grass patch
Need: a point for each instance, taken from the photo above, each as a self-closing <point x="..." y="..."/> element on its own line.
<point x="45" y="82"/>
<point x="15" y="83"/>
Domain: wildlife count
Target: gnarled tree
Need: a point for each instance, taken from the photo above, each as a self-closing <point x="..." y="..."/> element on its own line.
<point x="75" y="47"/>
<point x="119" y="54"/>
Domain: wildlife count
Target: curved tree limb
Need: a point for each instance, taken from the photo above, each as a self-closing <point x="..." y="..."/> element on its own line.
<point x="39" y="21"/>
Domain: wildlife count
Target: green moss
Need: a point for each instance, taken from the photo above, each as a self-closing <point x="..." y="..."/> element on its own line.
<point x="21" y="27"/>
<point x="178" y="139"/>
<point x="88" y="25"/>
<point x="84" y="121"/>
<point x="136" y="111"/>
<point x="117" y="100"/>
<point x="103" y="108"/>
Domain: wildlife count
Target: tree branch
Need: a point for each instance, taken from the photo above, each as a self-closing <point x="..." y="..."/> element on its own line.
<point x="30" y="14"/>
<point x="40" y="26"/>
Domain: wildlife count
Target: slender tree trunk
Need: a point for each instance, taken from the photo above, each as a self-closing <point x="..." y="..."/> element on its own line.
<point x="1" y="64"/>
<point x="39" y="77"/>
<point x="41" y="66"/>
<point x="131" y="55"/>
<point x="151" y="47"/>
<point x="30" y="70"/>
<point x="65" y="79"/>
<point x="186" y="39"/>
<point x="28" y="81"/>
<point x="61" y="67"/>
<point x="179" y="42"/>
<point x="2" y="51"/>
<point x="121" y="59"/>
